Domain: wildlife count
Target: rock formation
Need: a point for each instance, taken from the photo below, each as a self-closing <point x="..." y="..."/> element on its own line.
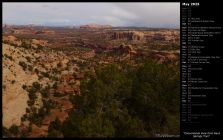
<point x="128" y="35"/>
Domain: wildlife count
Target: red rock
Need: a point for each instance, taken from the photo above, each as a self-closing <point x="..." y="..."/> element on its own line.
<point x="79" y="76"/>
<point x="37" y="131"/>
<point x="66" y="77"/>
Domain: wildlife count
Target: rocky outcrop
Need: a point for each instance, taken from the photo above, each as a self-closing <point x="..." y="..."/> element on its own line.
<point x="14" y="77"/>
<point x="128" y="35"/>
<point x="11" y="40"/>
<point x="15" y="41"/>
<point x="45" y="32"/>
<point x="160" y="56"/>
<point x="163" y="35"/>
<point x="35" y="43"/>
<point x="125" y="48"/>
<point x="89" y="54"/>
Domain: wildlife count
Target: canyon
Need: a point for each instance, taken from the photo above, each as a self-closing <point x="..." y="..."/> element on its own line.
<point x="44" y="66"/>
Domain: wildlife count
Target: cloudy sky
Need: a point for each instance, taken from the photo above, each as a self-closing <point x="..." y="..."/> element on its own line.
<point x="115" y="14"/>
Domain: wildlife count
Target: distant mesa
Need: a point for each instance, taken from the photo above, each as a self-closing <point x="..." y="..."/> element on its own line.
<point x="94" y="26"/>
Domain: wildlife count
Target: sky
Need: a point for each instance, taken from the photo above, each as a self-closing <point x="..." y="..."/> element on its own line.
<point x="157" y="15"/>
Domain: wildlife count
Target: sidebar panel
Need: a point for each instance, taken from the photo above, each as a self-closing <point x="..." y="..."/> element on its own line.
<point x="201" y="70"/>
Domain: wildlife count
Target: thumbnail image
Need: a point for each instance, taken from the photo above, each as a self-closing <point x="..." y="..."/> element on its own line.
<point x="91" y="70"/>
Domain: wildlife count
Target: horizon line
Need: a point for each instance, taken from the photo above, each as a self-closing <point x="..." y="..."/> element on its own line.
<point x="44" y="25"/>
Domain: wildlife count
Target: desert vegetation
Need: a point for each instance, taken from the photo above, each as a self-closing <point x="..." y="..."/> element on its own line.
<point x="90" y="82"/>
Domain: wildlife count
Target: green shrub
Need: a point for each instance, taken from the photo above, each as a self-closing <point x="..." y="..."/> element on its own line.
<point x="126" y="103"/>
<point x="23" y="65"/>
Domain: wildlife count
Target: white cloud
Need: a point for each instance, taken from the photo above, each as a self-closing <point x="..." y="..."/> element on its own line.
<point x="117" y="14"/>
<point x="121" y="13"/>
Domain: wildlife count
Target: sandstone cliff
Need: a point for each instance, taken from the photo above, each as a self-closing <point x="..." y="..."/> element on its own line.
<point x="128" y="35"/>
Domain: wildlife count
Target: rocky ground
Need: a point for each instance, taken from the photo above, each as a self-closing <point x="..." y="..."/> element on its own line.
<point x="41" y="70"/>
<point x="22" y="67"/>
